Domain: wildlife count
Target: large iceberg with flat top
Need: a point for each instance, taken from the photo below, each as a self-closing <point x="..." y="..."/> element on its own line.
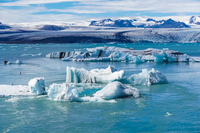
<point x="146" y="78"/>
<point x="107" y="75"/>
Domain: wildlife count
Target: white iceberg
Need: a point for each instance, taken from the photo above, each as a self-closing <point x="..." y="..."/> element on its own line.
<point x="62" y="92"/>
<point x="146" y="78"/>
<point x="74" y="75"/>
<point x="106" y="71"/>
<point x="116" y="90"/>
<point x="37" y="86"/>
<point x="18" y="62"/>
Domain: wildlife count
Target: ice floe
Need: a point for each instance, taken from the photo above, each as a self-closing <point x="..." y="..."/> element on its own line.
<point x="14" y="90"/>
<point x="122" y="55"/>
<point x="16" y="62"/>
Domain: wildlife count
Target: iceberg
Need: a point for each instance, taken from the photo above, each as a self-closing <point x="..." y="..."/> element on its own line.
<point x="18" y="62"/>
<point x="37" y="86"/>
<point x="122" y="55"/>
<point x="146" y="78"/>
<point x="108" y="75"/>
<point x="116" y="90"/>
<point x="62" y="92"/>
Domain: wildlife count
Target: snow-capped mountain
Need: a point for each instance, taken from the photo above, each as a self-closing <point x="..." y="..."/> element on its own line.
<point x="195" y="20"/>
<point x="3" y="26"/>
<point x="112" y="23"/>
<point x="52" y="27"/>
<point x="149" y="23"/>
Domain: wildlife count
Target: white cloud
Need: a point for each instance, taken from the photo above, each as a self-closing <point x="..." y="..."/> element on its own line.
<point x="87" y="9"/>
<point x="37" y="2"/>
<point x="26" y="15"/>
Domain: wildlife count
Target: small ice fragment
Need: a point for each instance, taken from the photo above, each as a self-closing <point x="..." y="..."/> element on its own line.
<point x="168" y="114"/>
<point x="18" y="62"/>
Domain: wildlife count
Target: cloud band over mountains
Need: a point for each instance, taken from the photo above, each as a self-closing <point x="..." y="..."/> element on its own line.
<point x="25" y="11"/>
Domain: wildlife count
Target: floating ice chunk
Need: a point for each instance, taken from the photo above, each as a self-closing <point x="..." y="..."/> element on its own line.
<point x="195" y="59"/>
<point x="37" y="85"/>
<point x="97" y="59"/>
<point x="158" y="58"/>
<point x="155" y="77"/>
<point x="74" y="75"/>
<point x="106" y="71"/>
<point x="183" y="58"/>
<point x="18" y="62"/>
<point x="14" y="90"/>
<point x="39" y="54"/>
<point x="168" y="114"/>
<point x="171" y="58"/>
<point x="116" y="90"/>
<point x="146" y="78"/>
<point x="62" y="92"/>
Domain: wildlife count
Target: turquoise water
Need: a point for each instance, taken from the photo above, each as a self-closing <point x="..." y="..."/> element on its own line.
<point x="148" y="113"/>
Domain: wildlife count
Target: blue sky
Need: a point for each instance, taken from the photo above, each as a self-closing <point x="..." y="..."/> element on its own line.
<point x="72" y="11"/>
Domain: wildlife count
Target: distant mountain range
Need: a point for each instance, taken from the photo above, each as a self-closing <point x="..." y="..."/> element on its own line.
<point x="3" y="26"/>
<point x="139" y="22"/>
<point x="195" y="20"/>
<point x="51" y="27"/>
<point x="131" y="23"/>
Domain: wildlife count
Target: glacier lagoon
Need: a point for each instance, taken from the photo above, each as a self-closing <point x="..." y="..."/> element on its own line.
<point x="170" y="107"/>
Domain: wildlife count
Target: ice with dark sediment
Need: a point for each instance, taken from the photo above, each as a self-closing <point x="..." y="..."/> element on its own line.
<point x="118" y="54"/>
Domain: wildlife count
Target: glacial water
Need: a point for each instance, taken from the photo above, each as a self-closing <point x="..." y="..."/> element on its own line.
<point x="172" y="107"/>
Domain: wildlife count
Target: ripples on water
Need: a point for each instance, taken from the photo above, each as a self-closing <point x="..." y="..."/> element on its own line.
<point x="172" y="107"/>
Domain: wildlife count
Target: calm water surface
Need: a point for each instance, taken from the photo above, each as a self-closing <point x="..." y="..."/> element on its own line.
<point x="149" y="113"/>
